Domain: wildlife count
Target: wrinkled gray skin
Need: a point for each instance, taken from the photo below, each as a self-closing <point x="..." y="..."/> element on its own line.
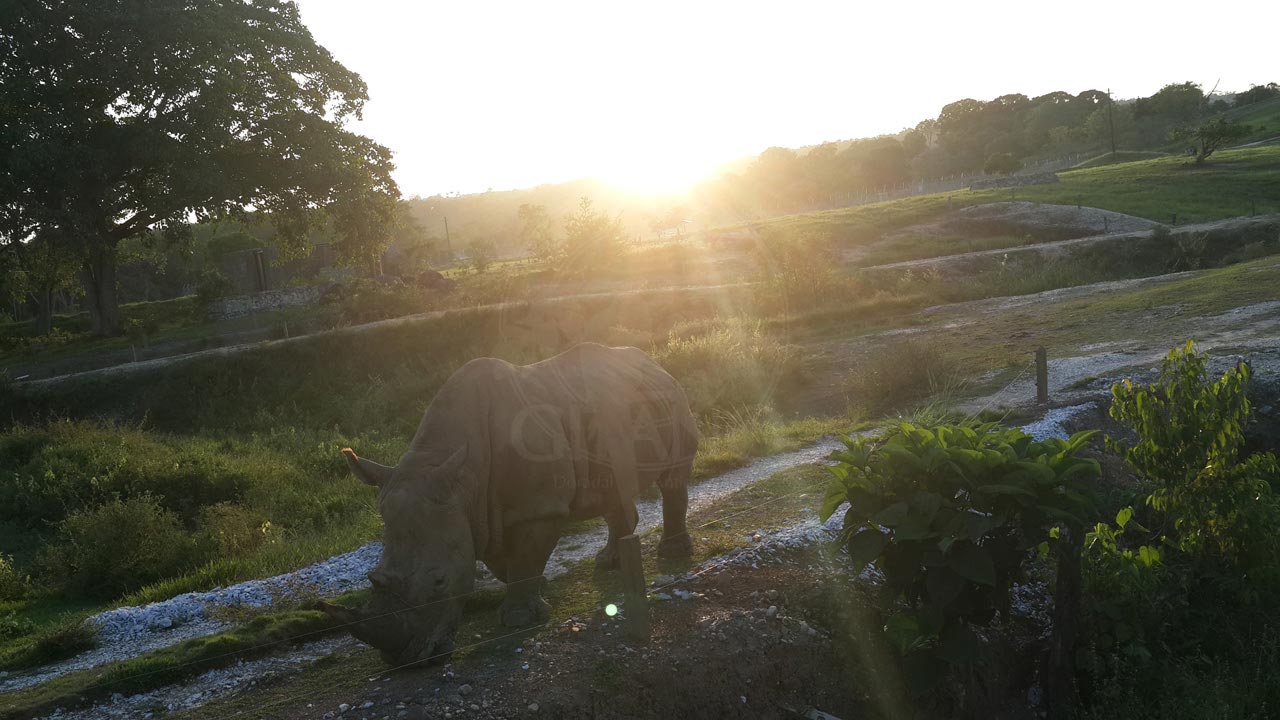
<point x="503" y="457"/>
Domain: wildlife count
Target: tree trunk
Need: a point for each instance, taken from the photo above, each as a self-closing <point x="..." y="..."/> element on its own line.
<point x="99" y="277"/>
<point x="44" y="309"/>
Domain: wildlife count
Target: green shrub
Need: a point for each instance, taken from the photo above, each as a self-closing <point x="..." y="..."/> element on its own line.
<point x="12" y="585"/>
<point x="48" y="472"/>
<point x="798" y="273"/>
<point x="116" y="547"/>
<point x="364" y="300"/>
<point x="481" y="254"/>
<point x="900" y="376"/>
<point x="59" y="640"/>
<point x="1170" y="579"/>
<point x="228" y="530"/>
<point x="212" y="286"/>
<point x="952" y="515"/>
<point x="730" y="367"/>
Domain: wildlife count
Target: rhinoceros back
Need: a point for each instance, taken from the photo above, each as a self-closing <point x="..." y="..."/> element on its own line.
<point x="571" y="436"/>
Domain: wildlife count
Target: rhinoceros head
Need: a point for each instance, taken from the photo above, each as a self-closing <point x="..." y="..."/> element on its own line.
<point x="428" y="559"/>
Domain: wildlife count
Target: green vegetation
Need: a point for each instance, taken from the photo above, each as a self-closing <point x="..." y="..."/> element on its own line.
<point x="261" y="635"/>
<point x="948" y="514"/>
<point x="1179" y="586"/>
<point x="282" y="91"/>
<point x="66" y="637"/>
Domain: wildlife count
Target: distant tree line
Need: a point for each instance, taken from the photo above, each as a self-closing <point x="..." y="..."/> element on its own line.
<point x="970" y="136"/>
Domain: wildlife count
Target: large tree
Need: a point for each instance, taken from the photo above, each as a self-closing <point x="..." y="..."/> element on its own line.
<point x="123" y="117"/>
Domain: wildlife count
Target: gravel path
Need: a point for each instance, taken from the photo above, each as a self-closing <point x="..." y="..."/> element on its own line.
<point x="127" y="632"/>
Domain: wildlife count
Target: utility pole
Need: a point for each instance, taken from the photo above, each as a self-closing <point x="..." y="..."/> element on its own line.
<point x="447" y="242"/>
<point x="1111" y="121"/>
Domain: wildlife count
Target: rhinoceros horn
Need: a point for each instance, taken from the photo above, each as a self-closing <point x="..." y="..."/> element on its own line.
<point x="369" y="472"/>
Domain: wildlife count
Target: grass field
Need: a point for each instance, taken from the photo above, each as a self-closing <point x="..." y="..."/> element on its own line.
<point x="1232" y="183"/>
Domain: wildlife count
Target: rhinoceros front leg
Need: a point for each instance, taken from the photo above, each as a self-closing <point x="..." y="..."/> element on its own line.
<point x="622" y="522"/>
<point x="528" y="547"/>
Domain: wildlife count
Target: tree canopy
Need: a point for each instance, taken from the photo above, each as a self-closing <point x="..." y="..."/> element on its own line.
<point x="124" y="117"/>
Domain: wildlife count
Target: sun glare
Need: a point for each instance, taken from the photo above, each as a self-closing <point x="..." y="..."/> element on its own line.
<point x="657" y="173"/>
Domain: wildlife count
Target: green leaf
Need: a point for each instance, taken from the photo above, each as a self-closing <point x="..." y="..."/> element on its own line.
<point x="865" y="547"/>
<point x="892" y="515"/>
<point x="836" y="495"/>
<point x="904" y="632"/>
<point x="1124" y="516"/>
<point x="1006" y="490"/>
<point x="972" y="563"/>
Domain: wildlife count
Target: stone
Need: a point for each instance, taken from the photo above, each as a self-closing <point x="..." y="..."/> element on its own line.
<point x="464" y="689"/>
<point x="533" y="707"/>
<point x="772" y="612"/>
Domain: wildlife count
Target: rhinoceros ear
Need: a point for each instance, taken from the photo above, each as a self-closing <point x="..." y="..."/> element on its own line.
<point x="369" y="472"/>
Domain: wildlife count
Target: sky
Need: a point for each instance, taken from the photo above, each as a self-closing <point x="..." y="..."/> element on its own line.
<point x="655" y="95"/>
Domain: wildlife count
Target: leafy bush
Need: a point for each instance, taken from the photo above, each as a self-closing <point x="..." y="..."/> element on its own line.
<point x="228" y="530"/>
<point x="213" y="285"/>
<point x="482" y="253"/>
<point x="59" y="640"/>
<point x="50" y="471"/>
<point x="951" y="515"/>
<point x="364" y="300"/>
<point x="900" y="376"/>
<point x="1001" y="164"/>
<point x="116" y="547"/>
<point x="729" y="368"/>
<point x="797" y="273"/>
<point x="12" y="585"/>
<point x="1166" y="580"/>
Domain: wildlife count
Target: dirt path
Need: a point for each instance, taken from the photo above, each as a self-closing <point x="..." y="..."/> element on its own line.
<point x="1049" y="249"/>
<point x="143" y="366"/>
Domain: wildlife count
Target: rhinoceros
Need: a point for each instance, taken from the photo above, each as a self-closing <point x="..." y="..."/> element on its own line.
<point x="504" y="456"/>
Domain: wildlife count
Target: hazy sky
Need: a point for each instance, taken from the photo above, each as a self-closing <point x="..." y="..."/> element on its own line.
<point x="472" y="95"/>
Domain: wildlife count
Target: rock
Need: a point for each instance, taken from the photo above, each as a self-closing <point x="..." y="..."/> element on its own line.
<point x="464" y="690"/>
<point x="772" y="594"/>
<point x="367" y="704"/>
<point x="343" y="707"/>
<point x="662" y="580"/>
<point x="662" y="596"/>
<point x="533" y="707"/>
<point x="772" y="612"/>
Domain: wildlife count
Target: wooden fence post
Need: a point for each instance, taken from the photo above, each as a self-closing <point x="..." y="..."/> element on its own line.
<point x="1042" y="376"/>
<point x="633" y="586"/>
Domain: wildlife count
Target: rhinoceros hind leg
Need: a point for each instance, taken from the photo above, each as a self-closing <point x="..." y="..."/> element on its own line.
<point x="676" y="542"/>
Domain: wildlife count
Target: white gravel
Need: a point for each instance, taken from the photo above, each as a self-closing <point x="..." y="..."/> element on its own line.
<point x="128" y="632"/>
<point x="214" y="684"/>
<point x="1053" y="424"/>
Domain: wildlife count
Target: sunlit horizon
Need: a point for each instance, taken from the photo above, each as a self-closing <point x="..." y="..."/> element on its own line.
<point x="654" y="98"/>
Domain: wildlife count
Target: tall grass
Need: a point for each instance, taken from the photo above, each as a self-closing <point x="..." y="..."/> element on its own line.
<point x="733" y="366"/>
<point x="901" y="376"/>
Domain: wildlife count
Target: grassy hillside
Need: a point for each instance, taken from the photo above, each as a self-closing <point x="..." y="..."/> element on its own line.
<point x="1230" y="184"/>
<point x="1118" y="157"/>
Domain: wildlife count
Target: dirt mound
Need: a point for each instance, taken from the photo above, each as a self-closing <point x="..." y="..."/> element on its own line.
<point x="1038" y="220"/>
